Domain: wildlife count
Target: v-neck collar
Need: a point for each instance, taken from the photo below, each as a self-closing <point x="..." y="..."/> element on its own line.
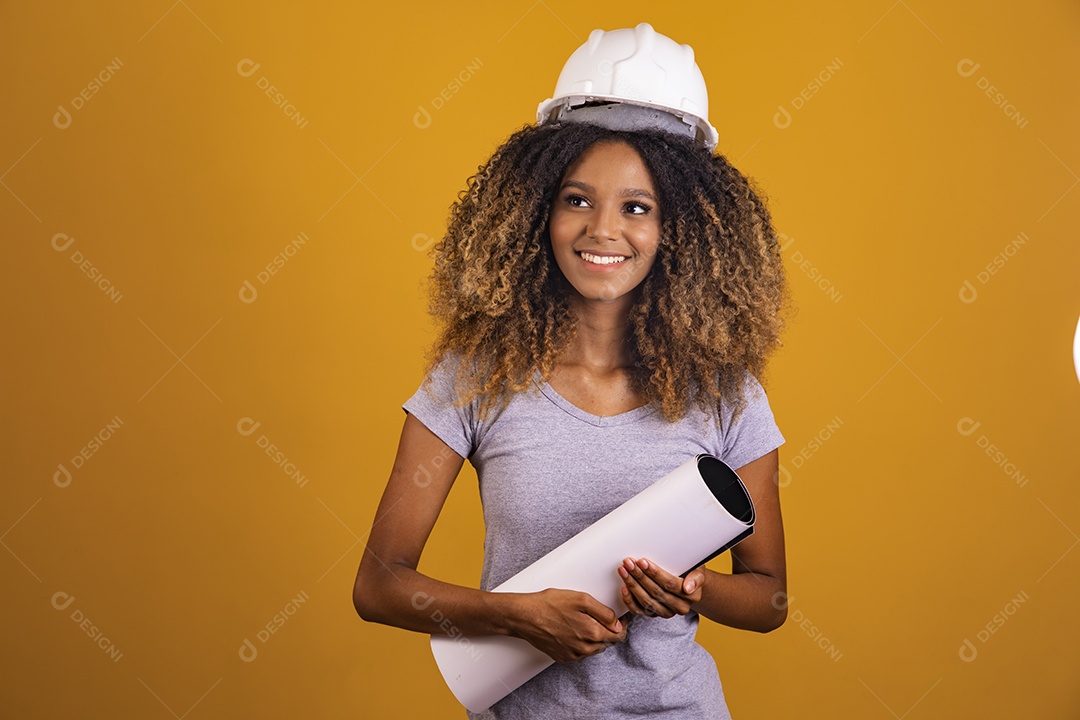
<point x="597" y="420"/>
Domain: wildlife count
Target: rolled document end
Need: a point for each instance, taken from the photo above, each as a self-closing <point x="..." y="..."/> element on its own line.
<point x="481" y="671"/>
<point x="728" y="489"/>
<point x="680" y="522"/>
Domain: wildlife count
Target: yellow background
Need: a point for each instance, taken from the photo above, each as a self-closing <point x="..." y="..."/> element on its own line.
<point x="179" y="180"/>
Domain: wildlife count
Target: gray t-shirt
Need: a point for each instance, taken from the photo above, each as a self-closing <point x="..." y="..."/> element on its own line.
<point x="547" y="470"/>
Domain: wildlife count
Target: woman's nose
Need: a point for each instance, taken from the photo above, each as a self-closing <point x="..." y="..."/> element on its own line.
<point x="605" y="223"/>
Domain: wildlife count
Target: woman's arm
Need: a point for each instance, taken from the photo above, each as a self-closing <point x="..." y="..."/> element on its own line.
<point x="753" y="596"/>
<point x="566" y="625"/>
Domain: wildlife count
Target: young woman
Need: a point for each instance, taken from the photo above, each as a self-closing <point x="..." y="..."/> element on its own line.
<point x="607" y="298"/>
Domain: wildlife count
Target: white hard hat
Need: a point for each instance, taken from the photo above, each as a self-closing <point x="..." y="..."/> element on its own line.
<point x="651" y="80"/>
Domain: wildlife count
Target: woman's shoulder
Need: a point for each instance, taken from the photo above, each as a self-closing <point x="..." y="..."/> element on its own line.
<point x="735" y="389"/>
<point x="441" y="376"/>
<point x="453" y="378"/>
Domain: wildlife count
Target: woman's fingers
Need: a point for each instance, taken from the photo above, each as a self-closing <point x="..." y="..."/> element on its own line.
<point x="692" y="584"/>
<point x="569" y="625"/>
<point x="639" y="603"/>
<point x="644" y="603"/>
<point x="650" y="599"/>
<point x="603" y="615"/>
<point x="672" y="584"/>
<point x="653" y="590"/>
<point x="629" y="597"/>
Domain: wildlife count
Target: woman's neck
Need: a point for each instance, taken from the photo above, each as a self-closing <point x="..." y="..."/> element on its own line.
<point x="600" y="342"/>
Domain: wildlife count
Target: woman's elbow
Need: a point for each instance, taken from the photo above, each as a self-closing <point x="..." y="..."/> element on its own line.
<point x="776" y="618"/>
<point x="360" y="601"/>
<point x="364" y="600"/>
<point x="775" y="614"/>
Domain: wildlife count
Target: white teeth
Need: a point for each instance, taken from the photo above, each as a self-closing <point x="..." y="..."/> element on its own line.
<point x="601" y="259"/>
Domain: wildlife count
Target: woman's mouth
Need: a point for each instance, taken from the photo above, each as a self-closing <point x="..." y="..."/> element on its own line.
<point x="601" y="259"/>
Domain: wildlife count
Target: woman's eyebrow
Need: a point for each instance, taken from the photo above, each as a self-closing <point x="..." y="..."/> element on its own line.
<point x="625" y="192"/>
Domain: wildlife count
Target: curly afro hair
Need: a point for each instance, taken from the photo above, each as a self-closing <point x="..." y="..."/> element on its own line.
<point x="709" y="311"/>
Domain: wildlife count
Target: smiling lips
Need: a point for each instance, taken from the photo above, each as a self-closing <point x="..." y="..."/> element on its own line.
<point x="601" y="259"/>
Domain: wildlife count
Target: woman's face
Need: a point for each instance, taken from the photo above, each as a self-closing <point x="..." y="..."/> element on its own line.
<point x="605" y="223"/>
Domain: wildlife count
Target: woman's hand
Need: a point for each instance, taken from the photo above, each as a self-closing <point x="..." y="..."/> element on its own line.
<point x="566" y="624"/>
<point x="651" y="591"/>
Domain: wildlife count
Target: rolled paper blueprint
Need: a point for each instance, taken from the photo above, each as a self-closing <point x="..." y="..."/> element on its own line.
<point x="680" y="522"/>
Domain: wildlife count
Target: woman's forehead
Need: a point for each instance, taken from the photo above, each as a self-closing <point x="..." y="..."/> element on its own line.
<point x="609" y="161"/>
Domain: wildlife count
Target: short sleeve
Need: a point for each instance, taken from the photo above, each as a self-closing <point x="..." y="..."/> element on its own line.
<point x="754" y="433"/>
<point x="434" y="405"/>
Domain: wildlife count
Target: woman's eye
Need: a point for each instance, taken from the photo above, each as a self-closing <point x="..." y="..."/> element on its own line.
<point x="576" y="200"/>
<point x="638" y="208"/>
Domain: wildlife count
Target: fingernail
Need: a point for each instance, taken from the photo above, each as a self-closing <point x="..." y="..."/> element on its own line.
<point x="643" y="563"/>
<point x="622" y="572"/>
<point x="689" y="586"/>
<point x="618" y="626"/>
